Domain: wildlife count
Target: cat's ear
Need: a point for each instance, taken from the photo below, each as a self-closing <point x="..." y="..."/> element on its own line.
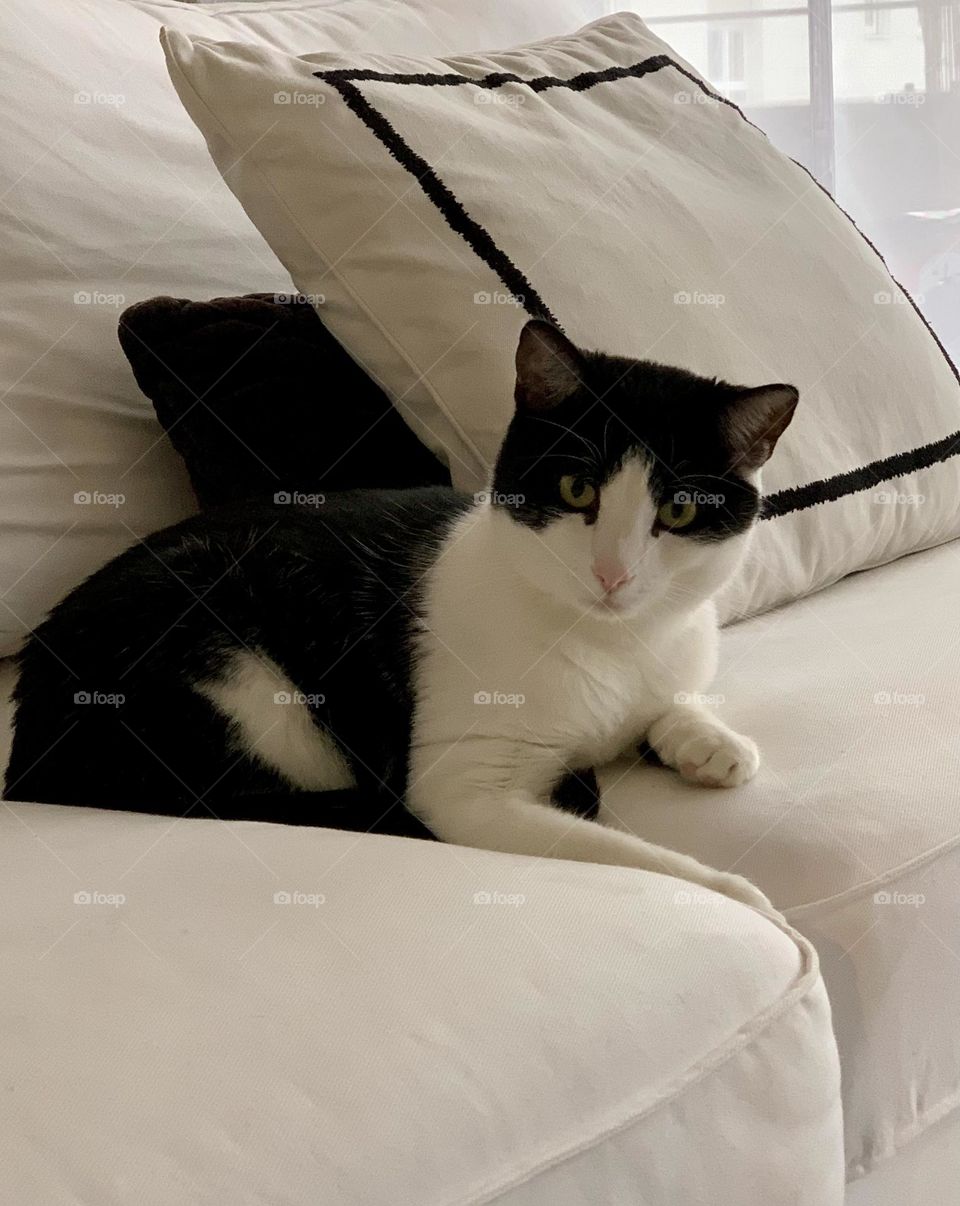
<point x="756" y="419"/>
<point x="549" y="367"/>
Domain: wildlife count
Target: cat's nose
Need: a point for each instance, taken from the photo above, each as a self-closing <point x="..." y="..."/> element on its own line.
<point x="611" y="575"/>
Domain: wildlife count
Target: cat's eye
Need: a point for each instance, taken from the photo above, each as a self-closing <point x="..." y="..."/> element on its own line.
<point x="577" y="492"/>
<point x="677" y="514"/>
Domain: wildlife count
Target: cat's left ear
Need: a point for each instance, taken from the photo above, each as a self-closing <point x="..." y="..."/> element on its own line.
<point x="756" y="419"/>
<point x="549" y="367"/>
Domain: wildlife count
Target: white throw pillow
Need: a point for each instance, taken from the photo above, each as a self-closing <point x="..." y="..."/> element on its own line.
<point x="436" y="203"/>
<point x="107" y="197"/>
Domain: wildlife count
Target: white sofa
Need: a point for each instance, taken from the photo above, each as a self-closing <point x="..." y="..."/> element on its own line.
<point x="611" y="1037"/>
<point x="450" y="1026"/>
<point x="443" y="1026"/>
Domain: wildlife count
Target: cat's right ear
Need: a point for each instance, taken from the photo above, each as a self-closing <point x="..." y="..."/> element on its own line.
<point x="549" y="367"/>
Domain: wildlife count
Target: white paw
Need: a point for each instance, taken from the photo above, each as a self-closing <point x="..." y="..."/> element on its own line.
<point x="705" y="751"/>
<point x="718" y="758"/>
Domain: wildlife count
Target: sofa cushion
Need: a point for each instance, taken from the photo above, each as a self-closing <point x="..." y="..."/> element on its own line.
<point x="262" y="402"/>
<point x="109" y="197"/>
<point x="254" y="1014"/>
<point x="595" y="179"/>
<point x="852" y="825"/>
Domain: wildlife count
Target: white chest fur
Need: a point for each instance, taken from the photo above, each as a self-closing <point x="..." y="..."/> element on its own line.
<point x="508" y="675"/>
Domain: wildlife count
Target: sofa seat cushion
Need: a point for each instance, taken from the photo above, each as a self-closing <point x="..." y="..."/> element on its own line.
<point x="204" y="1012"/>
<point x="852" y="825"/>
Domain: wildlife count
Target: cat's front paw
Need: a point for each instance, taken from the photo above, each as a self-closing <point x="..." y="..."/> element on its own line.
<point x="703" y="750"/>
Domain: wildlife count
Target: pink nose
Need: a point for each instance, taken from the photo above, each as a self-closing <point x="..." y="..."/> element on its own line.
<point x="611" y="576"/>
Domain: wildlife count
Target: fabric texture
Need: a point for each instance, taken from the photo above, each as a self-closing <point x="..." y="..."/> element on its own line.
<point x="596" y="180"/>
<point x="109" y="198"/>
<point x="852" y="825"/>
<point x="285" y="413"/>
<point x="304" y="1016"/>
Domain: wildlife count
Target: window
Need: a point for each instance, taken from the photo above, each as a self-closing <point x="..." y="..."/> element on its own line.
<point x="864" y="93"/>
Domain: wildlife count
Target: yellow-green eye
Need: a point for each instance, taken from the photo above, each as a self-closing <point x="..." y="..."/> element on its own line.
<point x="577" y="492"/>
<point x="675" y="514"/>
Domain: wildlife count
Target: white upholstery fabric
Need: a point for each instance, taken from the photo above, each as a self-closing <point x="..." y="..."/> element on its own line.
<point x="926" y="1172"/>
<point x="603" y="186"/>
<point x="107" y="197"/>
<point x="852" y="825"/>
<point x="572" y="1034"/>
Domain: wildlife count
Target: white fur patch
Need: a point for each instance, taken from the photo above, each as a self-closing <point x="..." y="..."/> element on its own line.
<point x="274" y="725"/>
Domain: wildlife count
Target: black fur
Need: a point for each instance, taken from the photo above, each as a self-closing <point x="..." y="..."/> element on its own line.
<point x="329" y="595"/>
<point x="107" y="714"/>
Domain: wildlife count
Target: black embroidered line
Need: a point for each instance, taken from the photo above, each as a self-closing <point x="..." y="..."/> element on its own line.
<point x="453" y="212"/>
<point x="495" y="79"/>
<point x="855" y="481"/>
<point x="784" y="502"/>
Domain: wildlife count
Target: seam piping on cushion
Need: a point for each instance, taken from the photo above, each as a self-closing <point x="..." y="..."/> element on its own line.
<point x="808" y="980"/>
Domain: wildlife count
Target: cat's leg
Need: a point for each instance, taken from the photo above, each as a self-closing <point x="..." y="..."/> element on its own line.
<point x="578" y="792"/>
<point x="464" y="802"/>
<point x="702" y="748"/>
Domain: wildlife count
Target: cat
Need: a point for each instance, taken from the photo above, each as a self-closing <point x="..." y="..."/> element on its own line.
<point x="419" y="660"/>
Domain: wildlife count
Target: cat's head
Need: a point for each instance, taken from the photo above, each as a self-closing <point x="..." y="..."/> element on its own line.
<point x="630" y="485"/>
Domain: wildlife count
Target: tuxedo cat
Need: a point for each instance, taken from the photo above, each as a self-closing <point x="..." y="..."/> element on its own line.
<point x="422" y="657"/>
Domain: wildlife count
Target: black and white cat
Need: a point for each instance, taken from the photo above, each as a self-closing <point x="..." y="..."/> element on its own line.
<point x="464" y="656"/>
